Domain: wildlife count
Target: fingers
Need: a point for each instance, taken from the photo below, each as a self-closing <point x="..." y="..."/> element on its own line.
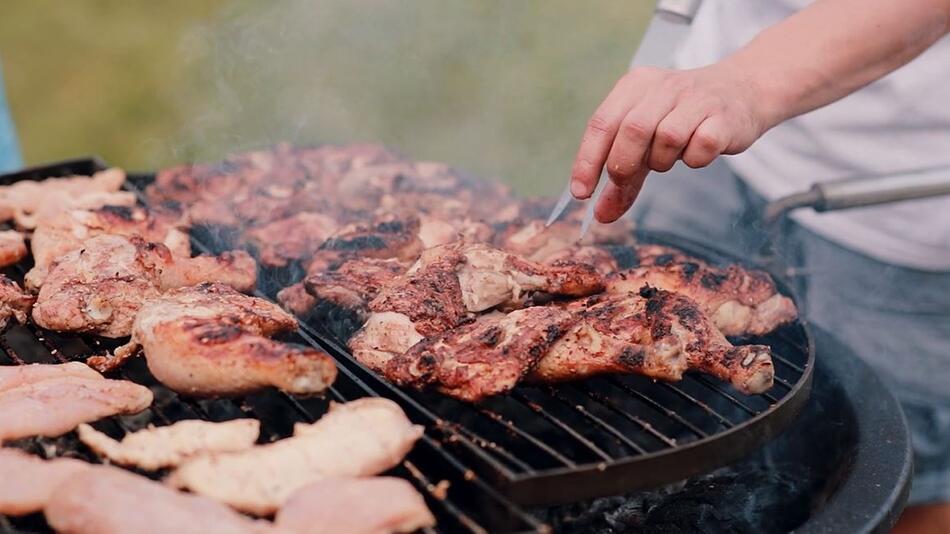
<point x="635" y="135"/>
<point x="673" y="134"/>
<point x="616" y="200"/>
<point x="707" y="143"/>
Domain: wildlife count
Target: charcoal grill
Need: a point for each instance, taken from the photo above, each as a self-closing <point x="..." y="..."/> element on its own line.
<point x="540" y="445"/>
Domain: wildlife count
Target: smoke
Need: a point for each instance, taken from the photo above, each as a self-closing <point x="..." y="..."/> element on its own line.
<point x="500" y="89"/>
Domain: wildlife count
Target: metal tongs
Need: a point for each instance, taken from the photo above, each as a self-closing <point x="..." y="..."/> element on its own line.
<point x="667" y="30"/>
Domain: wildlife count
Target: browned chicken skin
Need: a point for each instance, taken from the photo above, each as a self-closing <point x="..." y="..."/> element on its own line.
<point x="100" y="287"/>
<point x="210" y="340"/>
<point x="355" y="283"/>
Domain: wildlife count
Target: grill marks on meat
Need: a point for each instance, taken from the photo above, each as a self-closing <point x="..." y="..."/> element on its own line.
<point x="100" y="287"/>
<point x="50" y="401"/>
<point x="655" y="333"/>
<point x="168" y="446"/>
<point x="355" y="505"/>
<point x="485" y="357"/>
<point x="386" y="236"/>
<point x="107" y="500"/>
<point x="28" y="481"/>
<point x="359" y="438"/>
<point x="67" y="231"/>
<point x="210" y="340"/>
<point x="14" y="302"/>
<point x="739" y="301"/>
<point x="355" y="283"/>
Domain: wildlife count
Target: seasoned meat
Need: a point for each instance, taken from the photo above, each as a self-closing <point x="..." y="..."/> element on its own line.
<point x="100" y="287"/>
<point x="54" y="406"/>
<point x="13" y="376"/>
<point x="359" y="438"/>
<point x="68" y="230"/>
<point x="388" y="236"/>
<point x="28" y="481"/>
<point x="655" y="333"/>
<point x="739" y="301"/>
<point x="168" y="446"/>
<point x="485" y="357"/>
<point x="107" y="500"/>
<point x="12" y="248"/>
<point x="450" y="283"/>
<point x="354" y="283"/>
<point x="295" y="299"/>
<point x="210" y="340"/>
<point x="375" y="505"/>
<point x="535" y="241"/>
<point x="14" y="302"/>
<point x="31" y="202"/>
<point x="293" y="238"/>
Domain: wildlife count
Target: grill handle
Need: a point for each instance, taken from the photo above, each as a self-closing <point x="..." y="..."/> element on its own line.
<point x="855" y="193"/>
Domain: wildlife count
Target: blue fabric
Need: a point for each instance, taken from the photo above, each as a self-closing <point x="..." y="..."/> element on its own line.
<point x="9" y="148"/>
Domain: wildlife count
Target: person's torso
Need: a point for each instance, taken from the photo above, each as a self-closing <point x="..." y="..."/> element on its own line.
<point x="897" y="124"/>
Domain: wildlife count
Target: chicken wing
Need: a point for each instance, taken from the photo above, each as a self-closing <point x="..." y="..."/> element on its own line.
<point x="359" y="438"/>
<point x="100" y="287"/>
<point x="210" y="340"/>
<point x="14" y="302"/>
<point x="28" y="481"/>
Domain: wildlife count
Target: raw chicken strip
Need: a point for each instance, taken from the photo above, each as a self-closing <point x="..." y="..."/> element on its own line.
<point x="376" y="505"/>
<point x="27" y="481"/>
<point x="168" y="446"/>
<point x="107" y="500"/>
<point x="360" y="438"/>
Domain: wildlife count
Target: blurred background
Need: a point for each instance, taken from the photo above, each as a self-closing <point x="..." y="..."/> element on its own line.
<point x="501" y="89"/>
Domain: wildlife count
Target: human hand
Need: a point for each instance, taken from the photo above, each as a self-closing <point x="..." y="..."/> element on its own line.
<point x="654" y="117"/>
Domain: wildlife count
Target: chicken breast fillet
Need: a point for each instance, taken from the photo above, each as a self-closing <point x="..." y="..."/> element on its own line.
<point x="100" y="287"/>
<point x="210" y="340"/>
<point x="14" y="302"/>
<point x="360" y="438"/>
<point x="375" y="505"/>
<point x="69" y="230"/>
<point x="107" y="500"/>
<point x="54" y="406"/>
<point x="168" y="446"/>
<point x="12" y="247"/>
<point x="27" y="481"/>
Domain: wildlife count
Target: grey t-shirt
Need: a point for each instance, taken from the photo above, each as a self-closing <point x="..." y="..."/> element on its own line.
<point x="897" y="124"/>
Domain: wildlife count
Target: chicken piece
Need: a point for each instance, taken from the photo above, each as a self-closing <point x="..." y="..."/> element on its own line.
<point x="13" y="376"/>
<point x="295" y="299"/>
<point x="12" y="248"/>
<point x="377" y="505"/>
<point x="655" y="333"/>
<point x="388" y="236"/>
<point x="209" y="340"/>
<point x="27" y="481"/>
<point x="100" y="287"/>
<point x="107" y="500"/>
<point x="30" y="202"/>
<point x="740" y="302"/>
<point x="54" y="406"/>
<point x="69" y="230"/>
<point x="354" y="283"/>
<point x="14" y="302"/>
<point x="600" y="257"/>
<point x="485" y="357"/>
<point x="293" y="238"/>
<point x="360" y="438"/>
<point x="450" y="283"/>
<point x="168" y="446"/>
<point x="537" y="242"/>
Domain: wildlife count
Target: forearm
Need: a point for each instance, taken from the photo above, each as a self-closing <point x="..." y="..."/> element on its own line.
<point x="835" y="47"/>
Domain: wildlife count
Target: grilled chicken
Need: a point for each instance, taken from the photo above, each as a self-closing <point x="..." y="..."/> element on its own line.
<point x="13" y="376"/>
<point x="485" y="357"/>
<point x="12" y="247"/>
<point x="293" y="238"/>
<point x="655" y="333"/>
<point x="295" y="299"/>
<point x="56" y="405"/>
<point x="100" y="287"/>
<point x="376" y="505"/>
<point x="388" y="236"/>
<point x="359" y="438"/>
<point x="30" y="202"/>
<point x="68" y="230"/>
<point x="739" y="301"/>
<point x="168" y="446"/>
<point x="450" y="283"/>
<point x="210" y="340"/>
<point x="535" y="241"/>
<point x="107" y="500"/>
<point x="354" y="283"/>
<point x="27" y="481"/>
<point x="14" y="302"/>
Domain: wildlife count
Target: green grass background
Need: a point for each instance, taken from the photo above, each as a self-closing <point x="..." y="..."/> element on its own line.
<point x="502" y="89"/>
